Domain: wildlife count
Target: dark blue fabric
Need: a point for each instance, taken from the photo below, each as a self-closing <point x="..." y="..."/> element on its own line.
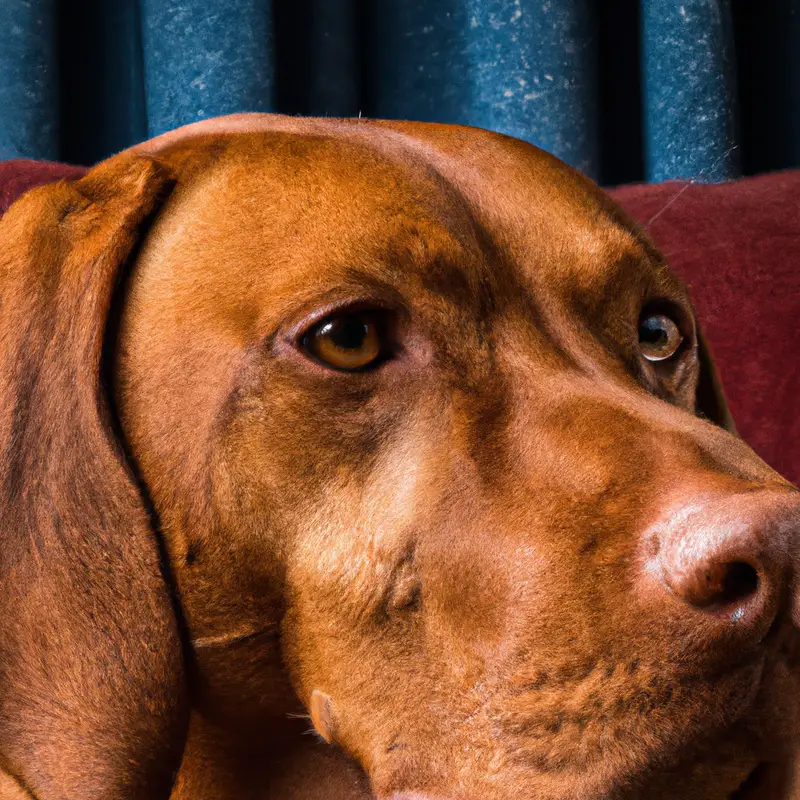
<point x="333" y="58"/>
<point x="102" y="79"/>
<point x="318" y="57"/>
<point x="204" y="58"/>
<point x="623" y="89"/>
<point x="690" y="90"/>
<point x="522" y="67"/>
<point x="620" y="92"/>
<point x="769" y="83"/>
<point x="28" y="79"/>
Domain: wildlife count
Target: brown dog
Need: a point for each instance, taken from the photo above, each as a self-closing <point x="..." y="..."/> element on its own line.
<point x="404" y="426"/>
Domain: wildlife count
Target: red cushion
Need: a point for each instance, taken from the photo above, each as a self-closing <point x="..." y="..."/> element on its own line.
<point x="20" y="175"/>
<point x="736" y="244"/>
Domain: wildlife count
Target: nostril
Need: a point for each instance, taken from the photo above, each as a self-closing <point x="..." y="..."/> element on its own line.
<point x="736" y="591"/>
<point x="730" y="558"/>
<point x="724" y="585"/>
<point x="740" y="582"/>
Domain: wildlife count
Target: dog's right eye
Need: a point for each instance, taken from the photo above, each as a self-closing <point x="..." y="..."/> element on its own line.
<point x="659" y="337"/>
<point x="349" y="341"/>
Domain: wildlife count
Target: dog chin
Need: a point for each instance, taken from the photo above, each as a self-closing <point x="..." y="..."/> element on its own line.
<point x="766" y="738"/>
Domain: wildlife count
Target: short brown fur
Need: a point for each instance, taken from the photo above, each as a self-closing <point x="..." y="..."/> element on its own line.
<point x="447" y="563"/>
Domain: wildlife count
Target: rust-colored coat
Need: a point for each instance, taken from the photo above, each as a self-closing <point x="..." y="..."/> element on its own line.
<point x="514" y="560"/>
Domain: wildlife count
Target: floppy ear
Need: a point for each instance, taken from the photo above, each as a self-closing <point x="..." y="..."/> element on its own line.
<point x="92" y="698"/>
<point x="711" y="402"/>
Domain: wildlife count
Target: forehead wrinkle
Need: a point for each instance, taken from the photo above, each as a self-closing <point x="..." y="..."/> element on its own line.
<point x="461" y="222"/>
<point x="522" y="214"/>
<point x="436" y="235"/>
<point x="424" y="230"/>
<point x="499" y="279"/>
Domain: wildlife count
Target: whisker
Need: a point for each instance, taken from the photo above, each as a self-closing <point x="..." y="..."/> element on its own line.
<point x="689" y="183"/>
<point x="233" y="638"/>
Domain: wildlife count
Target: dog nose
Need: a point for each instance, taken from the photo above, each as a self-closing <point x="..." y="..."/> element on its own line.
<point x="731" y="557"/>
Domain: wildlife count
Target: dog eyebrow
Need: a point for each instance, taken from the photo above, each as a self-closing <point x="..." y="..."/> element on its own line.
<point x="359" y="290"/>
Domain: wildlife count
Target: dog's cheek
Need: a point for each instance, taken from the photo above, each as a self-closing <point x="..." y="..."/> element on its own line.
<point x="311" y="436"/>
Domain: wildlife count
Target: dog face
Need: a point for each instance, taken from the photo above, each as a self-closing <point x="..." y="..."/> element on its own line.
<point x="403" y="415"/>
<point x="430" y="435"/>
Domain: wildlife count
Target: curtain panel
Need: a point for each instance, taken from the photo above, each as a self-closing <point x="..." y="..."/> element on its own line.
<point x="625" y="90"/>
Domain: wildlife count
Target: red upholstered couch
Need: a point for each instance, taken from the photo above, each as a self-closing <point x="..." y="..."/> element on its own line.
<point x="737" y="245"/>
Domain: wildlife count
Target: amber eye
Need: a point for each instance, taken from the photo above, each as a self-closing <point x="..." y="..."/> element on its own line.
<point x="659" y="337"/>
<point x="349" y="341"/>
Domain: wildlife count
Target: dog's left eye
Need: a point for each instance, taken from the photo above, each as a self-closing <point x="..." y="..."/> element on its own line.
<point x="348" y="341"/>
<point x="659" y="337"/>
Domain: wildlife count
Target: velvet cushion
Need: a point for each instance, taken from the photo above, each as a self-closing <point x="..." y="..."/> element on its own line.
<point x="19" y="175"/>
<point x="737" y="245"/>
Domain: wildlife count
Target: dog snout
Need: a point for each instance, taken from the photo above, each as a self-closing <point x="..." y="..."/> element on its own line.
<point x="730" y="558"/>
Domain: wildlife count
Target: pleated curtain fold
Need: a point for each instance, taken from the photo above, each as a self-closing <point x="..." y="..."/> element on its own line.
<point x="625" y="90"/>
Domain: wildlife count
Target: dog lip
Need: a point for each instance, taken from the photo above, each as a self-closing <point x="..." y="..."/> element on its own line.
<point x="754" y="786"/>
<point x="749" y="783"/>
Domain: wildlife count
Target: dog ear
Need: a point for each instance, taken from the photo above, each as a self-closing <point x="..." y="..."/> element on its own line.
<point x="711" y="402"/>
<point x="92" y="695"/>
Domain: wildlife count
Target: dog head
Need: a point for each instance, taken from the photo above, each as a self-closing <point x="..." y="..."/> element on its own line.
<point x="434" y="445"/>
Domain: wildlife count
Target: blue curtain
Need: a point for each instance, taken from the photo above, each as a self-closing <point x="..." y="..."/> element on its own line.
<point x="625" y="90"/>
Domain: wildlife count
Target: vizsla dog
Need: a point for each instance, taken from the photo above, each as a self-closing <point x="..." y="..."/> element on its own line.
<point x="402" y="433"/>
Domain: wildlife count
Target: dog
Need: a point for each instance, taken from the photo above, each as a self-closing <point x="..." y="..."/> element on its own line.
<point x="402" y="433"/>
